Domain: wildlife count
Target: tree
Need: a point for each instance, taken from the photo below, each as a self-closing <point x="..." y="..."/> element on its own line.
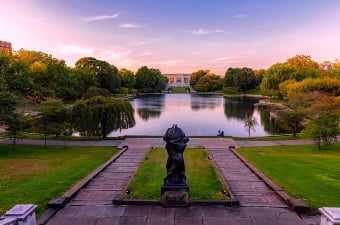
<point x="275" y="75"/>
<point x="250" y="123"/>
<point x="209" y="82"/>
<point x="196" y="76"/>
<point x="106" y="74"/>
<point x="98" y="116"/>
<point x="241" y="78"/>
<point x="8" y="103"/>
<point x="293" y="118"/>
<point x="95" y="91"/>
<point x="127" y="78"/>
<point x="150" y="80"/>
<point x="15" y="123"/>
<point x="322" y="129"/>
<point x="50" y="121"/>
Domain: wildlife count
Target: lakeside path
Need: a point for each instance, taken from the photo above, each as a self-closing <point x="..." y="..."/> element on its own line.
<point x="92" y="203"/>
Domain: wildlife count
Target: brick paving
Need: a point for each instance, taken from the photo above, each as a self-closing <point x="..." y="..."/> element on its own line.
<point x="258" y="204"/>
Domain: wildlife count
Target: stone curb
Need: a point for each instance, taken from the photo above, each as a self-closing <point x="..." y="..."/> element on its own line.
<point x="228" y="203"/>
<point x="59" y="202"/>
<point x="296" y="205"/>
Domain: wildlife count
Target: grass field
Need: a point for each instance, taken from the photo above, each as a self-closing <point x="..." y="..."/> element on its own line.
<point x="34" y="174"/>
<point x="203" y="180"/>
<point x="302" y="171"/>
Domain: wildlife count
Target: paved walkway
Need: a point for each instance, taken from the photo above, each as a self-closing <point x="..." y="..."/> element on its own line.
<point x="93" y="204"/>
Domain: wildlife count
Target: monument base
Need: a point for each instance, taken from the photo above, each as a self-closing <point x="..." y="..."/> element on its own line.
<point x="175" y="195"/>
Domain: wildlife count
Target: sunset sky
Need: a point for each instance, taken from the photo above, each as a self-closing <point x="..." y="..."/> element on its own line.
<point x="175" y="36"/>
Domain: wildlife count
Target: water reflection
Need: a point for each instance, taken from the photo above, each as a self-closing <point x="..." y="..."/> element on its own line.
<point x="197" y="115"/>
<point x="149" y="106"/>
<point x="205" y="101"/>
<point x="239" y="110"/>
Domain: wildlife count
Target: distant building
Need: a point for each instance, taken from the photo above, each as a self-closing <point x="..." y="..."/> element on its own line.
<point x="326" y="65"/>
<point x="178" y="79"/>
<point x="6" y="47"/>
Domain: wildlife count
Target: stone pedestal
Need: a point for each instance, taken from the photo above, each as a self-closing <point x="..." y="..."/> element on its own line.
<point x="330" y="216"/>
<point x="175" y="195"/>
<point x="24" y="214"/>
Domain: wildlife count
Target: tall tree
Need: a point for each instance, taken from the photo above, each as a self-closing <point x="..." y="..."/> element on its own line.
<point x="106" y="74"/>
<point x="241" y="78"/>
<point x="150" y="80"/>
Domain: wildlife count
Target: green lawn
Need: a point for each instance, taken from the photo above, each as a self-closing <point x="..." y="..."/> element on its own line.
<point x="204" y="183"/>
<point x="179" y="90"/>
<point x="34" y="174"/>
<point x="302" y="171"/>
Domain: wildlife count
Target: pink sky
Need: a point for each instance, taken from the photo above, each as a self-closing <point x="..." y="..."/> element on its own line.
<point x="175" y="37"/>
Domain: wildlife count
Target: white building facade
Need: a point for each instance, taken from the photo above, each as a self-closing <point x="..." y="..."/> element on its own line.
<point x="178" y="79"/>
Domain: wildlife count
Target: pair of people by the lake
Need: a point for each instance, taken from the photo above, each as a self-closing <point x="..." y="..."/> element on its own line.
<point x="220" y="133"/>
<point x="175" y="144"/>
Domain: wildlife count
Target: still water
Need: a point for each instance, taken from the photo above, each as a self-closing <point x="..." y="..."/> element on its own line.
<point x="197" y="115"/>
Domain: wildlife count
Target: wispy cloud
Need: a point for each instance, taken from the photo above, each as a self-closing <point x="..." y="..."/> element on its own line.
<point x="165" y="62"/>
<point x="74" y="49"/>
<point x="99" y="18"/>
<point x="131" y="25"/>
<point x="225" y="59"/>
<point x="240" y="16"/>
<point x="203" y="31"/>
<point x="145" y="53"/>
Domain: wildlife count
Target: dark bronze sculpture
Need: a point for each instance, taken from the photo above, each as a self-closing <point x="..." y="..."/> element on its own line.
<point x="175" y="144"/>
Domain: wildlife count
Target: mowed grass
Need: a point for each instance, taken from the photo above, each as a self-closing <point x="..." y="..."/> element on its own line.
<point x="302" y="171"/>
<point x="34" y="174"/>
<point x="204" y="182"/>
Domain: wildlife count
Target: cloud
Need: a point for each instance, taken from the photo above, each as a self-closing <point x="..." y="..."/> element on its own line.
<point x="203" y="31"/>
<point x="131" y="25"/>
<point x="240" y="16"/>
<point x="99" y="18"/>
<point x="145" y="53"/>
<point x="74" y="49"/>
<point x="165" y="62"/>
<point x="225" y="59"/>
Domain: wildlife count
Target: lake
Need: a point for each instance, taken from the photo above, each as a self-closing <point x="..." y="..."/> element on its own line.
<point x="197" y="115"/>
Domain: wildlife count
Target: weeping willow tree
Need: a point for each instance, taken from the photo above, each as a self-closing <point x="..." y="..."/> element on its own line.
<point x="98" y="116"/>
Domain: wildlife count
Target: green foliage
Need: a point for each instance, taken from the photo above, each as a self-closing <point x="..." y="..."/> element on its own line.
<point x="127" y="78"/>
<point x="8" y="102"/>
<point x="302" y="171"/>
<point x="95" y="91"/>
<point x="196" y="76"/>
<point x="150" y="80"/>
<point x="275" y="75"/>
<point x="328" y="85"/>
<point x="146" y="183"/>
<point x="241" y="78"/>
<point x="34" y="174"/>
<point x="98" y="116"/>
<point x="53" y="114"/>
<point x="106" y="74"/>
<point x="322" y="129"/>
<point x="293" y="118"/>
<point x="209" y="82"/>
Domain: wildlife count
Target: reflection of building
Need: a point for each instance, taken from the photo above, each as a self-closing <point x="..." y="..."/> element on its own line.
<point x="326" y="65"/>
<point x="178" y="80"/>
<point x="6" y="47"/>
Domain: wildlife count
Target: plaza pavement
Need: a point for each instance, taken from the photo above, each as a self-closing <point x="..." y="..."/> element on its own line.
<point x="92" y="203"/>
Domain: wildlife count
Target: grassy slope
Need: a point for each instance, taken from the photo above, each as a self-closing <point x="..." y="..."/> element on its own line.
<point x="203" y="181"/>
<point x="302" y="171"/>
<point x="34" y="174"/>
